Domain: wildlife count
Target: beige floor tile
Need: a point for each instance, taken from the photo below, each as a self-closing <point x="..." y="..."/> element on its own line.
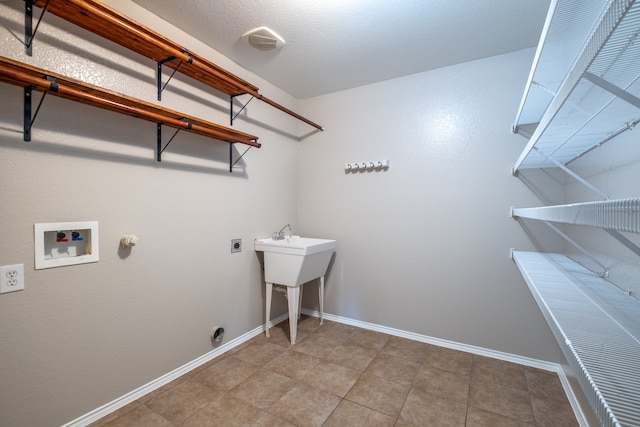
<point x="182" y="401"/>
<point x="292" y="364"/>
<point x="210" y="363"/>
<point x="545" y="384"/>
<point x="480" y="418"/>
<point x="316" y="346"/>
<point x="442" y="383"/>
<point x="226" y="411"/>
<point x="336" y="379"/>
<point x="305" y="406"/>
<point x="280" y="334"/>
<point x="117" y="413"/>
<point x="164" y="388"/>
<point x="260" y="353"/>
<point x="378" y="394"/>
<point x="506" y="401"/>
<point x="499" y="372"/>
<point x="393" y="368"/>
<point x="353" y="415"/>
<point x="553" y="413"/>
<point x="449" y="360"/>
<point x="308" y="323"/>
<point x="140" y="416"/>
<point x="407" y="349"/>
<point x="269" y="420"/>
<point x="227" y="374"/>
<point x="352" y="356"/>
<point x="426" y="409"/>
<point x="369" y="339"/>
<point x="263" y="389"/>
<point x="335" y="332"/>
<point x="384" y="380"/>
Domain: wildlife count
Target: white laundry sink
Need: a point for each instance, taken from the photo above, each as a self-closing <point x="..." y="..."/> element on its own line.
<point x="294" y="260"/>
<point x="289" y="263"/>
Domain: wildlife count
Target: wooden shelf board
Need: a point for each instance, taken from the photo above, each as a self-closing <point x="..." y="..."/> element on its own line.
<point x="24" y="75"/>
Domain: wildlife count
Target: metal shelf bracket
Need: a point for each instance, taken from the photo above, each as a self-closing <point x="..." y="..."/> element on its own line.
<point x="29" y="31"/>
<point x="605" y="272"/>
<point x="28" y="119"/>
<point x="572" y="173"/>
<point x="231" y="162"/>
<point x="159" y="65"/>
<point x="232" y="116"/>
<point x="161" y="149"/>
<point x="613" y="89"/>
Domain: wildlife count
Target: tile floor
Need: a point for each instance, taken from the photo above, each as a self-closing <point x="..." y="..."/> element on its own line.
<point x="340" y="375"/>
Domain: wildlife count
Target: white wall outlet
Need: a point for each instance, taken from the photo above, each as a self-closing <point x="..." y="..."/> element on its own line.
<point x="236" y="245"/>
<point x="11" y="278"/>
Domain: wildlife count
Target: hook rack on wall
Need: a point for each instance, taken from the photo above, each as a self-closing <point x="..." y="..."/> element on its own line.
<point x="377" y="165"/>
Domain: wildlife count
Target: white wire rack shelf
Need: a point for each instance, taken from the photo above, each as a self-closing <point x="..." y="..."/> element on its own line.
<point x="598" y="328"/>
<point x="567" y="114"/>
<point x="619" y="215"/>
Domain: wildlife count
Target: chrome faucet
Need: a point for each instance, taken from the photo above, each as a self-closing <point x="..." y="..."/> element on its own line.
<point x="280" y="234"/>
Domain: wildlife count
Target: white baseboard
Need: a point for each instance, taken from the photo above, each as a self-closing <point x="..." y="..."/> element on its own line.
<point x="480" y="351"/>
<point x="534" y="363"/>
<point x="122" y="401"/>
<point x="159" y="382"/>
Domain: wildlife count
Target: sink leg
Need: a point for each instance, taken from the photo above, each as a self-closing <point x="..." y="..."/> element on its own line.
<point x="300" y="301"/>
<point x="321" y="297"/>
<point x="268" y="308"/>
<point x="293" y="297"/>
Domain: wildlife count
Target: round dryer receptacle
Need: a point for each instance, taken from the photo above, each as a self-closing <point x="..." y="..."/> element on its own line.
<point x="217" y="334"/>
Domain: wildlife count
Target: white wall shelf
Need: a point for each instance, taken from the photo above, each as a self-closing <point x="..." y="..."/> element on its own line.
<point x="619" y="215"/>
<point x="583" y="112"/>
<point x="583" y="90"/>
<point x="599" y="328"/>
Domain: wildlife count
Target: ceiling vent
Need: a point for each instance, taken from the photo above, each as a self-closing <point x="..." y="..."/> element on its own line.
<point x="262" y="38"/>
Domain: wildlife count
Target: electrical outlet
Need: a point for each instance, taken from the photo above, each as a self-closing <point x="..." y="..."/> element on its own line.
<point x="236" y="245"/>
<point x="11" y="278"/>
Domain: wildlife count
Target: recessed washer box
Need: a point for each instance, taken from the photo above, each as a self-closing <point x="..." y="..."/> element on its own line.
<point x="65" y="243"/>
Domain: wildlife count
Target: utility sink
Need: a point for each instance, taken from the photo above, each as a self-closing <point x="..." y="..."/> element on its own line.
<point x="294" y="260"/>
<point x="288" y="264"/>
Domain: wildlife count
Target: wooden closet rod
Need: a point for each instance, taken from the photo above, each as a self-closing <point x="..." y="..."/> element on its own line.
<point x="25" y="75"/>
<point x="108" y="23"/>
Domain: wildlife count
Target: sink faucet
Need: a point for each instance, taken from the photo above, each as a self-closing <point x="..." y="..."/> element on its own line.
<point x="280" y="234"/>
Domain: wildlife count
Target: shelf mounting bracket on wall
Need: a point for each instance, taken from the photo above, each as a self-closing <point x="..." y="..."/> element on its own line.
<point x="29" y="32"/>
<point x="159" y="72"/>
<point x="28" y="118"/>
<point x="622" y="239"/>
<point x="613" y="89"/>
<point x="161" y="149"/>
<point x="573" y="174"/>
<point x="576" y="245"/>
<point x="231" y="162"/>
<point x="232" y="116"/>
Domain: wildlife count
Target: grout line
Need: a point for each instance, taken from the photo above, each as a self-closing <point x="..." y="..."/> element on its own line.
<point x="134" y="395"/>
<point x="128" y="398"/>
<point x="578" y="411"/>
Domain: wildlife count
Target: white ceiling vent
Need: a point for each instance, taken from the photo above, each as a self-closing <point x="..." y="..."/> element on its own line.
<point x="262" y="38"/>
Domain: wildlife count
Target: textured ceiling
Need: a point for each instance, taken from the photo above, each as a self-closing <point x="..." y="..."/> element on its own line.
<point x="333" y="45"/>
